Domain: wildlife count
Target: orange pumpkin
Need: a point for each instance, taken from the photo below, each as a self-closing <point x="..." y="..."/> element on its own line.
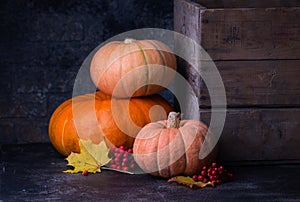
<point x="171" y="148"/>
<point x="142" y="67"/>
<point x="97" y="117"/>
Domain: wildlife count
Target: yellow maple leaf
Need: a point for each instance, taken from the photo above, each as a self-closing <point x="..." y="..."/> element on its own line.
<point x="91" y="157"/>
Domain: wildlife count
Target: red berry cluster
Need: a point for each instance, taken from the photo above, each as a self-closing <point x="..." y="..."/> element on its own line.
<point x="122" y="159"/>
<point x="216" y="174"/>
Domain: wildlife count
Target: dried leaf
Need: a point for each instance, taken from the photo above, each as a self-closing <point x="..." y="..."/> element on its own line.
<point x="91" y="158"/>
<point x="188" y="181"/>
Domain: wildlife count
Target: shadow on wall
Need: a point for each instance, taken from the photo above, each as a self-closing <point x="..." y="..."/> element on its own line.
<point x="42" y="46"/>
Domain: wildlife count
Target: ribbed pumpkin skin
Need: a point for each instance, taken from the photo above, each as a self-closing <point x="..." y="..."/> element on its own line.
<point x="93" y="117"/>
<point x="151" y="60"/>
<point x="163" y="151"/>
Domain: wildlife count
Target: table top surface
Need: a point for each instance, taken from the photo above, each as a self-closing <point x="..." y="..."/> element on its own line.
<point x="34" y="172"/>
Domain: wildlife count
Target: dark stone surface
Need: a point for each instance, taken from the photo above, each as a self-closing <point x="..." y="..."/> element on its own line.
<point x="43" y="44"/>
<point x="33" y="172"/>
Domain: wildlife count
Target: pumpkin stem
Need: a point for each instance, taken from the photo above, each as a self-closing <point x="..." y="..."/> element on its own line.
<point x="129" y="40"/>
<point x="173" y="120"/>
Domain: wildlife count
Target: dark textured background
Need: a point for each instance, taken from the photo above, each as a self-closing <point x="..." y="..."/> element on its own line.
<point x="42" y="46"/>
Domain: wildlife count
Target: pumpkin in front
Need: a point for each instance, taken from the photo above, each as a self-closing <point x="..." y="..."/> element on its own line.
<point x="133" y="68"/>
<point x="171" y="148"/>
<point x="98" y="117"/>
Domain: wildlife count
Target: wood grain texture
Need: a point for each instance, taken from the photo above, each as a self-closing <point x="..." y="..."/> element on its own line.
<point x="251" y="34"/>
<point x="261" y="70"/>
<point x="186" y="22"/>
<point x="247" y="4"/>
<point x="257" y="52"/>
<point x="259" y="134"/>
<point x="186" y="19"/>
<point x="257" y="83"/>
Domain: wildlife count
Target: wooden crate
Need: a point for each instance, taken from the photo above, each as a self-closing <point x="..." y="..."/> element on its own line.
<point x="256" y="48"/>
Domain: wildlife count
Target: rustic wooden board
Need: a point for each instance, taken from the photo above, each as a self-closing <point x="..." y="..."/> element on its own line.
<point x="247" y="4"/>
<point x="186" y="19"/>
<point x="241" y="33"/>
<point x="259" y="134"/>
<point x="257" y="83"/>
<point x="251" y="77"/>
<point x="251" y="34"/>
<point x="257" y="52"/>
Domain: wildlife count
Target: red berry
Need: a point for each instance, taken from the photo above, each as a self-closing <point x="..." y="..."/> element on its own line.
<point x="132" y="166"/>
<point x="204" y="180"/>
<point x="195" y="177"/>
<point x="122" y="148"/>
<point x="211" y="178"/>
<point x="117" y="159"/>
<point x="85" y="172"/>
<point x="204" y="168"/>
<point x="125" y="168"/>
<point x="214" y="172"/>
<point x="221" y="168"/>
<point x="214" y="181"/>
<point x="130" y="150"/>
<point x="125" y="160"/>
<point x="203" y="173"/>
<point x="209" y="170"/>
<point x="214" y="164"/>
<point x="200" y="178"/>
<point x="230" y="175"/>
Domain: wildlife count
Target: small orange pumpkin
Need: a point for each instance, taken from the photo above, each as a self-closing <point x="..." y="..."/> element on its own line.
<point x="152" y="61"/>
<point x="98" y="117"/>
<point x="170" y="148"/>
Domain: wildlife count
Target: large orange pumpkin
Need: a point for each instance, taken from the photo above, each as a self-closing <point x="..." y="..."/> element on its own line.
<point x="171" y="148"/>
<point x="146" y="62"/>
<point x="97" y="117"/>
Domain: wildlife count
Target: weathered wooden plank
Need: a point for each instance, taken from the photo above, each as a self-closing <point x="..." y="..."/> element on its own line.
<point x="186" y="22"/>
<point x="186" y="19"/>
<point x="257" y="83"/>
<point x="257" y="52"/>
<point x="251" y="34"/>
<point x="241" y="33"/>
<point x="248" y="4"/>
<point x="259" y="134"/>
